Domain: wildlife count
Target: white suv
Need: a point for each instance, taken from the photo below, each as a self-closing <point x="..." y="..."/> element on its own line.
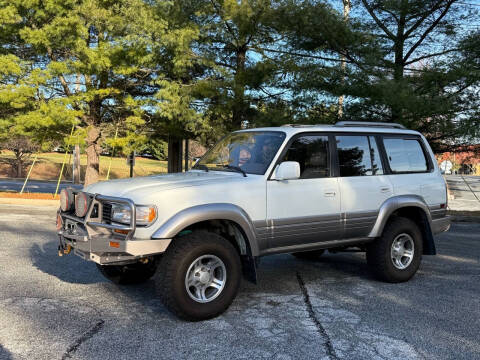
<point x="292" y="189"/>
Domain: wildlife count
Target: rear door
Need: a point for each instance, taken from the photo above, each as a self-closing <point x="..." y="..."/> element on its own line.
<point x="362" y="181"/>
<point x="305" y="210"/>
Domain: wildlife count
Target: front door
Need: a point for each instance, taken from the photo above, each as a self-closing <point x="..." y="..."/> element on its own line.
<point x="305" y="210"/>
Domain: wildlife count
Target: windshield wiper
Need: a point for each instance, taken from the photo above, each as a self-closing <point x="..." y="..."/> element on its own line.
<point x="236" y="168"/>
<point x="201" y="166"/>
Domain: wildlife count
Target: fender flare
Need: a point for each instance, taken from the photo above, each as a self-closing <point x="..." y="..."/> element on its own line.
<point x="397" y="202"/>
<point x="217" y="211"/>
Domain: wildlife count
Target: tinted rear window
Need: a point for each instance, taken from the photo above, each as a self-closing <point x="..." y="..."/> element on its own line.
<point x="358" y="155"/>
<point x="405" y="155"/>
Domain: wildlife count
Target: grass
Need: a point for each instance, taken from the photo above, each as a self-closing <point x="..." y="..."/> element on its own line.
<point x="48" y="166"/>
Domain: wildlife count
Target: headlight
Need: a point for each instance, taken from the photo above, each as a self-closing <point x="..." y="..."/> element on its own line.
<point x="145" y="214"/>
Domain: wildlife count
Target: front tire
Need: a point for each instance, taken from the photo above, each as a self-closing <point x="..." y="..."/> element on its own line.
<point x="396" y="255"/>
<point x="129" y="274"/>
<point x="199" y="276"/>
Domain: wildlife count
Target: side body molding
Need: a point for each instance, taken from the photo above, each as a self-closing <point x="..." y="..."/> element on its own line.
<point x="218" y="211"/>
<point x="395" y="203"/>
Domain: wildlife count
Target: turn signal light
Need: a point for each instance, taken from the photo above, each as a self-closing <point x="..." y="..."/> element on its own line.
<point x="114" y="244"/>
<point x="125" y="232"/>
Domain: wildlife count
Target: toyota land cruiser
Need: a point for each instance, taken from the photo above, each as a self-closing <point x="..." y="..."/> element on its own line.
<point x="292" y="189"/>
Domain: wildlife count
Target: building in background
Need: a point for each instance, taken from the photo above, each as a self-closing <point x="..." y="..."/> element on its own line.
<point x="462" y="162"/>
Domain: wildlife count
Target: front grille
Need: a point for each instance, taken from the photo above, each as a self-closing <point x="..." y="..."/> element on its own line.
<point x="94" y="213"/>
<point x="107" y="213"/>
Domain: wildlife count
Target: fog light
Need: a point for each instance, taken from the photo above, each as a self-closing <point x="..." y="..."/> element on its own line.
<point x="66" y="199"/>
<point x="81" y="204"/>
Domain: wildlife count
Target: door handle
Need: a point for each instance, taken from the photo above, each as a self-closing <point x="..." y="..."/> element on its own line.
<point x="329" y="193"/>
<point x="385" y="189"/>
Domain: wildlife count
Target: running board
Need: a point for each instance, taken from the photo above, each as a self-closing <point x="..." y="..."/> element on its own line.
<point x="317" y="246"/>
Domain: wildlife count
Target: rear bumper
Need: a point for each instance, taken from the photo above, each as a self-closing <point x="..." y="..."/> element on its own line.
<point x="441" y="225"/>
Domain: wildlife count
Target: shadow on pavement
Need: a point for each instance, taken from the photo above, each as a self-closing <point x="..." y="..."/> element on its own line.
<point x="4" y="353"/>
<point x="69" y="268"/>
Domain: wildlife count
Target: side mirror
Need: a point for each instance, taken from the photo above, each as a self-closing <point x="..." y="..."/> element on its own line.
<point x="287" y="170"/>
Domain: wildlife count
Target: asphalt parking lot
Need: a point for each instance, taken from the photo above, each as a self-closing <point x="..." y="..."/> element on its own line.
<point x="60" y="308"/>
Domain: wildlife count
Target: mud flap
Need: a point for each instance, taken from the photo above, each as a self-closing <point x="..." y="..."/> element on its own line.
<point x="249" y="268"/>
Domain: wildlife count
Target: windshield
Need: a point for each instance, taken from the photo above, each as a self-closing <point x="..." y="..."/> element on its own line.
<point x="250" y="152"/>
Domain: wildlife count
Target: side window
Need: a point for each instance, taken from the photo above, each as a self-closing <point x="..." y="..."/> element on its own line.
<point x="405" y="155"/>
<point x="377" y="168"/>
<point x="358" y="155"/>
<point x="311" y="152"/>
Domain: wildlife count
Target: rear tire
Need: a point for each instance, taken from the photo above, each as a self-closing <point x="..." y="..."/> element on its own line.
<point x="309" y="255"/>
<point x="129" y="274"/>
<point x="396" y="255"/>
<point x="189" y="268"/>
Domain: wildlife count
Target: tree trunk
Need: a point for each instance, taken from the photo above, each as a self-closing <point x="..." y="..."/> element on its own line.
<point x="19" y="168"/>
<point x="399" y="64"/>
<point x="238" y="113"/>
<point x="343" y="64"/>
<point x="93" y="155"/>
<point x="174" y="155"/>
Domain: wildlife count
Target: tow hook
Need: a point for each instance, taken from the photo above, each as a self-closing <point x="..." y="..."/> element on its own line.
<point x="64" y="250"/>
<point x="144" y="260"/>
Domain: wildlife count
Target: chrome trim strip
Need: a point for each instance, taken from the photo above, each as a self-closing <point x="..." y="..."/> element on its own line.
<point x="361" y="215"/>
<point x="306" y="220"/>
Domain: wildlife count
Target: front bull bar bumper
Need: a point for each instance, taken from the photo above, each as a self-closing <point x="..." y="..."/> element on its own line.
<point x="97" y="241"/>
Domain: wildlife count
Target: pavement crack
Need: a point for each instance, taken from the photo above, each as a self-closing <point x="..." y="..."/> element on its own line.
<point x="87" y="335"/>
<point x="321" y="330"/>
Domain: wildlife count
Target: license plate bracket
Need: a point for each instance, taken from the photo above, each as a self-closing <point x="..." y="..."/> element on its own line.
<point x="71" y="226"/>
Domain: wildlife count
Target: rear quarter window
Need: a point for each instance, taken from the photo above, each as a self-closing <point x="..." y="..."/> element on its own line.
<point x="405" y="155"/>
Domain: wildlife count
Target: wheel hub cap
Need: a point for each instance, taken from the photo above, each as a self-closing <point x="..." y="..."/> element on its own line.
<point x="402" y="251"/>
<point x="205" y="278"/>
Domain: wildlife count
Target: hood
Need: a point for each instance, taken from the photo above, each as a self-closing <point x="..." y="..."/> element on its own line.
<point x="121" y="187"/>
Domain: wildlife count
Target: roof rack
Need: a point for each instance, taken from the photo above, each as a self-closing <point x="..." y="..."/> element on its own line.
<point x="370" y="124"/>
<point x="297" y="125"/>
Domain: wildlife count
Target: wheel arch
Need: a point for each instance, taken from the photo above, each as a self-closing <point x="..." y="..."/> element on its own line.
<point x="412" y="207"/>
<point x="228" y="220"/>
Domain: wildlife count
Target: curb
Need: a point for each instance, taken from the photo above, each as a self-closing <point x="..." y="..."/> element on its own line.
<point x="29" y="202"/>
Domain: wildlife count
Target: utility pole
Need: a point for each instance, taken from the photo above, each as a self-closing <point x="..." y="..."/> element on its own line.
<point x="131" y="162"/>
<point x="343" y="64"/>
<point x="186" y="155"/>
<point x="76" y="165"/>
